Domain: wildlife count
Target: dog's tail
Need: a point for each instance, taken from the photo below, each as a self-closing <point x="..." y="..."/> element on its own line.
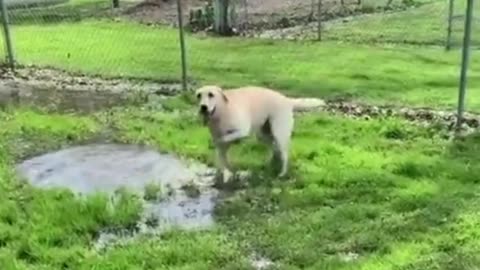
<point x="307" y="104"/>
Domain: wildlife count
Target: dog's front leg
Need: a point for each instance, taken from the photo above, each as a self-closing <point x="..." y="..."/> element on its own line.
<point x="233" y="135"/>
<point x="222" y="158"/>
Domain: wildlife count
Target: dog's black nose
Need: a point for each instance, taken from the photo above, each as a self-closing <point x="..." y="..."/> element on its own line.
<point x="203" y="108"/>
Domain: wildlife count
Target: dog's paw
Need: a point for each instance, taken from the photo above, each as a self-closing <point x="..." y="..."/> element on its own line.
<point x="227" y="176"/>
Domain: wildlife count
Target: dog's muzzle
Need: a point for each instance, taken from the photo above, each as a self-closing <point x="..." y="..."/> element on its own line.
<point x="204" y="109"/>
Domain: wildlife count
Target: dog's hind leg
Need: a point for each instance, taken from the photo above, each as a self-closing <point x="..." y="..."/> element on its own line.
<point x="264" y="135"/>
<point x="282" y="127"/>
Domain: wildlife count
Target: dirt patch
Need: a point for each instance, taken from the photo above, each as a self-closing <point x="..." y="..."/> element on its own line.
<point x="75" y="92"/>
<point x="307" y="30"/>
<point x="444" y="120"/>
<point x="65" y="91"/>
<point x="270" y="14"/>
<point x="253" y="15"/>
<point x="161" y="11"/>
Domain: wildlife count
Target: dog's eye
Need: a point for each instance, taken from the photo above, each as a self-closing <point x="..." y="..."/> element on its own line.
<point x="210" y="95"/>
<point x="198" y="96"/>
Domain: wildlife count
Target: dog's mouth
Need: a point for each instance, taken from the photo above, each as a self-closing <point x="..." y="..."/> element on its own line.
<point x="213" y="111"/>
<point x="206" y="113"/>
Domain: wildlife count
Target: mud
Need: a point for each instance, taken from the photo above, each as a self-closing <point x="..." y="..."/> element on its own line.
<point x="255" y="16"/>
<point x="185" y="212"/>
<point x="424" y="116"/>
<point x="309" y="29"/>
<point x="63" y="91"/>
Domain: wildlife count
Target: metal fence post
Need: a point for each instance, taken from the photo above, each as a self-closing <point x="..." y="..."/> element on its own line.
<point x="6" y="31"/>
<point x="448" y="42"/>
<point x="182" y="45"/>
<point x="465" y="61"/>
<point x="319" y="20"/>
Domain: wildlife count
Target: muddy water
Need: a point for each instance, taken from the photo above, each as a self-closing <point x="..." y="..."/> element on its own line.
<point x="185" y="212"/>
<point x="82" y="95"/>
<point x="107" y="167"/>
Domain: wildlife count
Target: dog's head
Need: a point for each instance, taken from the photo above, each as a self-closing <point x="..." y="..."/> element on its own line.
<point x="210" y="98"/>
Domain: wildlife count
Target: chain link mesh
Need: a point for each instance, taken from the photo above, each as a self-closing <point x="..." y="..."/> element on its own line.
<point x="80" y="34"/>
<point x="91" y="36"/>
<point x="458" y="23"/>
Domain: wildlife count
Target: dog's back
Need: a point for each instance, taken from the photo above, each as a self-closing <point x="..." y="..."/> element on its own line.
<point x="258" y="103"/>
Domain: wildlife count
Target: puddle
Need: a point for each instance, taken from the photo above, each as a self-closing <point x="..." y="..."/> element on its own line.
<point x="108" y="167"/>
<point x="183" y="212"/>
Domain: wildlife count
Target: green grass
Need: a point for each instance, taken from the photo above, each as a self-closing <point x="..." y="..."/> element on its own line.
<point x="398" y="196"/>
<point x="381" y="74"/>
<point x="425" y="25"/>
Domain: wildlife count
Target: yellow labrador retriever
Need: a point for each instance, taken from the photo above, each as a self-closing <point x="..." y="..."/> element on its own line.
<point x="237" y="113"/>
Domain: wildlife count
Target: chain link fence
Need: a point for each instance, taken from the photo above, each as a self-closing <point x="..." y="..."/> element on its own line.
<point x="77" y="35"/>
<point x="456" y="10"/>
<point x="96" y="36"/>
<point x="419" y="22"/>
<point x="348" y="20"/>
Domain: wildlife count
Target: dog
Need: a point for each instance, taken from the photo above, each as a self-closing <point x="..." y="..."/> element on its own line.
<point x="235" y="114"/>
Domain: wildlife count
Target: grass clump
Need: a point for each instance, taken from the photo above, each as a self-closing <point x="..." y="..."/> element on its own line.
<point x="152" y="192"/>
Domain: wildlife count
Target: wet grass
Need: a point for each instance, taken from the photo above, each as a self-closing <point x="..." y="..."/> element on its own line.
<point x="362" y="194"/>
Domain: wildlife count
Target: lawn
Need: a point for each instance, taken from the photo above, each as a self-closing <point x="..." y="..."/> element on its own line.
<point x="425" y="25"/>
<point x="363" y="194"/>
<point x="384" y="193"/>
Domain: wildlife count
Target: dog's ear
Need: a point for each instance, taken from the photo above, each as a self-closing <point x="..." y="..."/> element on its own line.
<point x="224" y="96"/>
<point x="220" y="91"/>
